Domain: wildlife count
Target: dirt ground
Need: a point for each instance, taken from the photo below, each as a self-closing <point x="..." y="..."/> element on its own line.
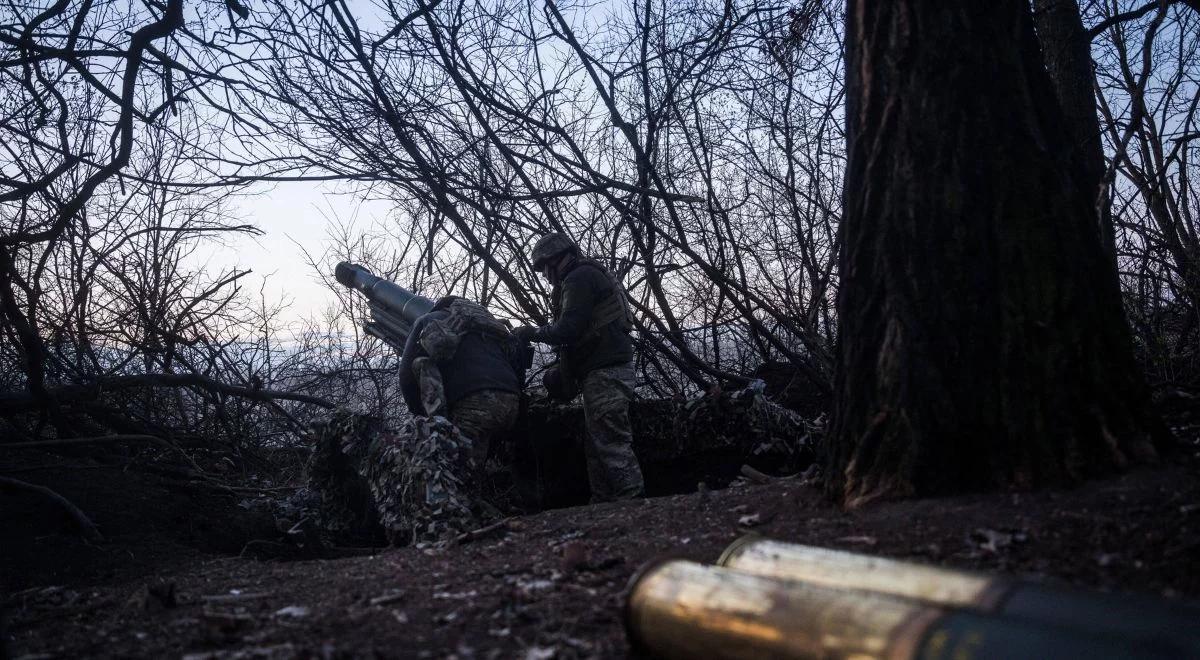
<point x="549" y="585"/>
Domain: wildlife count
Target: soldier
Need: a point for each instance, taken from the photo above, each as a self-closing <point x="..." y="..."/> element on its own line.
<point x="458" y="363"/>
<point x="461" y="382"/>
<point x="461" y="373"/>
<point x="591" y="330"/>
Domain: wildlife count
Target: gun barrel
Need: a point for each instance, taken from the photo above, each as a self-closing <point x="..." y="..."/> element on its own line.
<point x="385" y="335"/>
<point x="390" y="321"/>
<point x="404" y="305"/>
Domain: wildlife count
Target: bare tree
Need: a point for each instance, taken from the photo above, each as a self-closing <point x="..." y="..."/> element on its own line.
<point x="664" y="138"/>
<point x="982" y="340"/>
<point x="1148" y="68"/>
<point x="108" y="323"/>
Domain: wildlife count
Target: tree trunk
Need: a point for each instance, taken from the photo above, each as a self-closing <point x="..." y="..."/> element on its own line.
<point x="1067" y="55"/>
<point x="982" y="342"/>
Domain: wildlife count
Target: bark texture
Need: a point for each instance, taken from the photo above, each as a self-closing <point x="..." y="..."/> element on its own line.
<point x="982" y="343"/>
<point x="1067" y="55"/>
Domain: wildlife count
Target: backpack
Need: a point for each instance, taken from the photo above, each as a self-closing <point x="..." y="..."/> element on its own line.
<point x="440" y="337"/>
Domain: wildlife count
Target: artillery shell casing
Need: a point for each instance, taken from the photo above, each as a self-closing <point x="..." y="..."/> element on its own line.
<point x="1132" y="616"/>
<point x="847" y="570"/>
<point x="680" y="609"/>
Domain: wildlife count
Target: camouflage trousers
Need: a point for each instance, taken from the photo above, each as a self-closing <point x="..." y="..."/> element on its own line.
<point x="613" y="470"/>
<point x="482" y="416"/>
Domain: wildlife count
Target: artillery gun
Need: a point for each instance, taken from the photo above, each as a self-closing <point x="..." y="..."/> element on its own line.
<point x="394" y="309"/>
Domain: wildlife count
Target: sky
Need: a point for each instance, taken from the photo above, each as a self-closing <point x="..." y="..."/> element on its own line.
<point x="294" y="218"/>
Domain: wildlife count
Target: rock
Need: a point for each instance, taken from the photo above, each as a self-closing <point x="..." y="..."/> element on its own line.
<point x="574" y="556"/>
<point x="293" y="611"/>
<point x="749" y="520"/>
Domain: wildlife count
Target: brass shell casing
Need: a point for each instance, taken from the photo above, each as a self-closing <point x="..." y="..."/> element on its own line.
<point x="681" y="609"/>
<point x="1139" y="619"/>
<point x="844" y="570"/>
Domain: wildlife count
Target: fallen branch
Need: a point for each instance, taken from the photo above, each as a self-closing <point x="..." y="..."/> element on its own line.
<point x="86" y="526"/>
<point x="59" y="466"/>
<point x="93" y="440"/>
<point x="756" y="476"/>
<point x="481" y="532"/>
<point x="763" y="478"/>
<point x="22" y="402"/>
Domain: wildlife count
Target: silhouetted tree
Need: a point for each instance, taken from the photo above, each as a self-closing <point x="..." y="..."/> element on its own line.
<point x="1066" y="52"/>
<point x="982" y="343"/>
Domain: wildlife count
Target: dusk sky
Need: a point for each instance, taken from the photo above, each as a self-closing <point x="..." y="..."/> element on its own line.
<point x="294" y="218"/>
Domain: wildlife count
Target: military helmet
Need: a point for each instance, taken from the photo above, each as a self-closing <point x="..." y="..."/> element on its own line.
<point x="550" y="246"/>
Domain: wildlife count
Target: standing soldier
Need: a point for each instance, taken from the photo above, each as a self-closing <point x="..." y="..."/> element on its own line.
<point x="591" y="329"/>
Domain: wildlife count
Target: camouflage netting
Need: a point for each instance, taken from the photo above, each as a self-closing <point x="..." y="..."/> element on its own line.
<point x="678" y="442"/>
<point x="743" y="420"/>
<point x="413" y="484"/>
<point x="418" y="483"/>
<point x="421" y="481"/>
<point x="345" y="508"/>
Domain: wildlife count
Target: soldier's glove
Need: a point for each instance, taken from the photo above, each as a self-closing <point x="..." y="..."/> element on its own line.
<point x="525" y="333"/>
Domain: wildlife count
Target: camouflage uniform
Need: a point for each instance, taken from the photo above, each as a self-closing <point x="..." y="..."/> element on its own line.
<point x="613" y="469"/>
<point x="483" y="415"/>
<point x="591" y="329"/>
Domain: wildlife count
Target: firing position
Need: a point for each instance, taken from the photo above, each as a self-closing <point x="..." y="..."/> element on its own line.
<point x="460" y="375"/>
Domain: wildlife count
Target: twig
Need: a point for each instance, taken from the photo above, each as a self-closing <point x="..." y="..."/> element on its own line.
<point x="254" y="489"/>
<point x="89" y="529"/>
<point x="344" y="552"/>
<point x="756" y="476"/>
<point x="387" y="599"/>
<point x="481" y="532"/>
<point x="235" y="598"/>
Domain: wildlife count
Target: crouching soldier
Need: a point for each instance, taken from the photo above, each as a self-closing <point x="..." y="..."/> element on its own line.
<point x="591" y="330"/>
<point x="459" y="363"/>
<point x="459" y="376"/>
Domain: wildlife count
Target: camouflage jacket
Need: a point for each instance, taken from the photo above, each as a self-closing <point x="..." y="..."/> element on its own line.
<point x="586" y="345"/>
